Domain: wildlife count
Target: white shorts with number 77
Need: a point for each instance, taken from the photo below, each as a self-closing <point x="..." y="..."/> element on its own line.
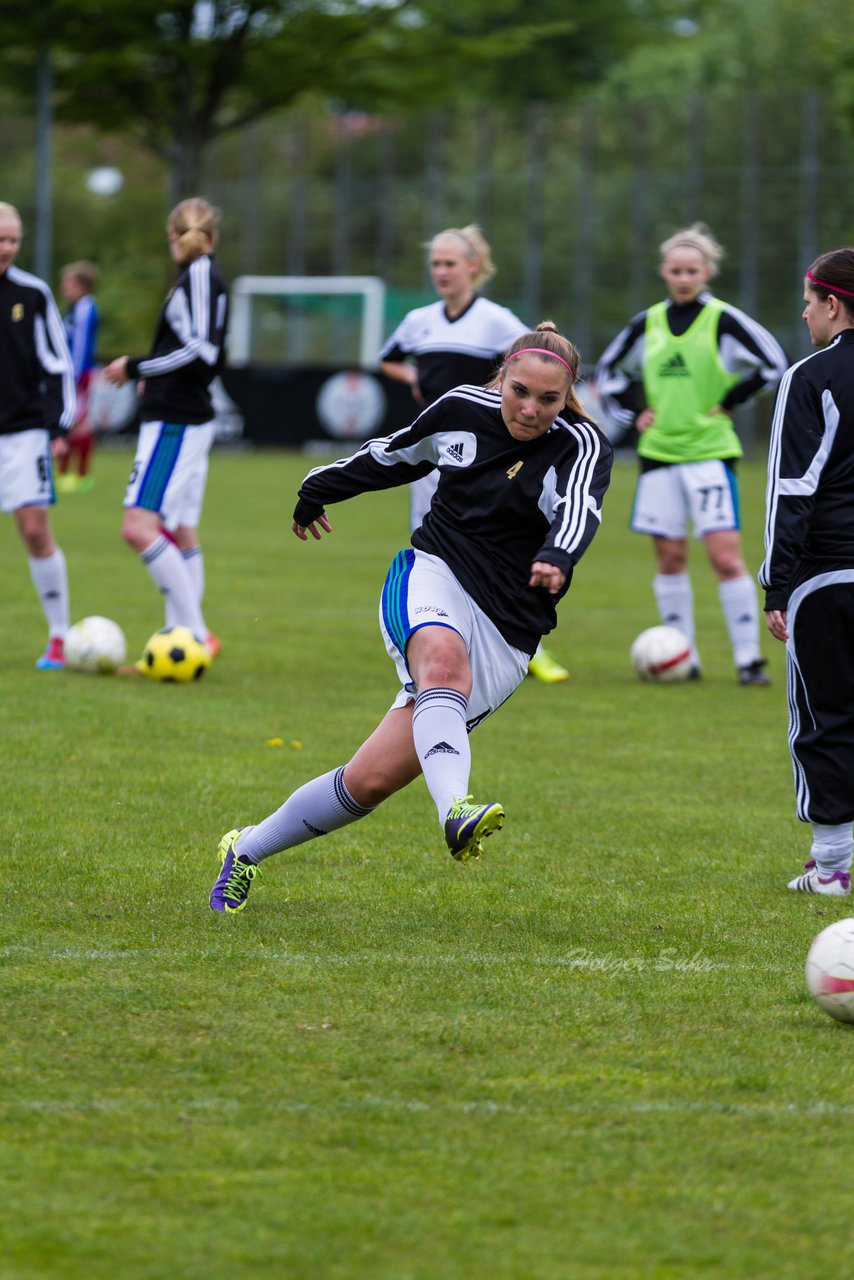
<point x="705" y="492"/>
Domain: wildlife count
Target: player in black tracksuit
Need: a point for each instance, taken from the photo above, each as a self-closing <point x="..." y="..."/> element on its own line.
<point x="164" y="497"/>
<point x="522" y="475"/>
<point x="36" y="411"/>
<point x="808" y="572"/>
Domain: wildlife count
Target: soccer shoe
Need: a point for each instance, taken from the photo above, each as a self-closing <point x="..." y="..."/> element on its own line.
<point x="85" y="484"/>
<point x="544" y="667"/>
<point x="213" y="645"/>
<point x="836" y="885"/>
<point x="752" y="674"/>
<point x="53" y="658"/>
<point x="233" y="883"/>
<point x="467" y="824"/>
<point x="67" y="483"/>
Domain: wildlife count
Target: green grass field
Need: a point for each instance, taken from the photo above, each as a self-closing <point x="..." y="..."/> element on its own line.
<point x="590" y="1056"/>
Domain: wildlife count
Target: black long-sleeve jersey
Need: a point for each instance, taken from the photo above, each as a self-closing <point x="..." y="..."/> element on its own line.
<point x="188" y="350"/>
<point x="809" y="526"/>
<point x="500" y="505"/>
<point x="449" y="352"/>
<point x="743" y="346"/>
<point x="36" y="369"/>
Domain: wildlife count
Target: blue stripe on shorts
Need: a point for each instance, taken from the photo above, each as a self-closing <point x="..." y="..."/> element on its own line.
<point x="733" y="488"/>
<point x="161" y="464"/>
<point x="394" y="598"/>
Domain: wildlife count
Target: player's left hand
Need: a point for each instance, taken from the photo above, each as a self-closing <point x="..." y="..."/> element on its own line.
<point x="302" y="532"/>
<point x="548" y="576"/>
<point x="59" y="447"/>
<point x="776" y="622"/>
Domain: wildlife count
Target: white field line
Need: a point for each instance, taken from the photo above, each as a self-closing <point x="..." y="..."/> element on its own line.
<point x="481" y="1107"/>
<point x="667" y="960"/>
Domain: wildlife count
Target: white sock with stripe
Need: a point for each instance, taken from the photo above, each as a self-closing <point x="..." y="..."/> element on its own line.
<point x="741" y="611"/>
<point x="315" y="809"/>
<point x="442" y="744"/>
<point x="50" y="579"/>
<point x="675" y="599"/>
<point x="173" y="580"/>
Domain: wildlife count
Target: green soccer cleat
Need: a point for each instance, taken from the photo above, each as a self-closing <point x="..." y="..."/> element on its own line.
<point x="467" y="824"/>
<point x="232" y="885"/>
<point x="546" y="668"/>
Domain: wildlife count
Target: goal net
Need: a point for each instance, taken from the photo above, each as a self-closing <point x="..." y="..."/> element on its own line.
<point x="307" y="320"/>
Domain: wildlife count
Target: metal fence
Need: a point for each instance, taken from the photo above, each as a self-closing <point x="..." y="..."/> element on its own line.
<point x="574" y="201"/>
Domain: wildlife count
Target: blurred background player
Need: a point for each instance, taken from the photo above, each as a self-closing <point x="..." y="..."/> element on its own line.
<point x="522" y="475"/>
<point x="36" y="411"/>
<point x="81" y="320"/>
<point x="165" y="493"/>
<point x="676" y="373"/>
<point x="808" y="571"/>
<point x="460" y="339"/>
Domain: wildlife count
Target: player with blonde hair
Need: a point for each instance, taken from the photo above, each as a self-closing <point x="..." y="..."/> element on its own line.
<point x="522" y="475"/>
<point x="458" y="339"/>
<point x="163" y="501"/>
<point x="36" y="411"/>
<point x="676" y="373"/>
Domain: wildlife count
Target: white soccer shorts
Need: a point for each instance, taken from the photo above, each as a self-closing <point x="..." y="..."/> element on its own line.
<point x="705" y="492"/>
<point x="420" y="591"/>
<point x="26" y="473"/>
<point x="170" y="471"/>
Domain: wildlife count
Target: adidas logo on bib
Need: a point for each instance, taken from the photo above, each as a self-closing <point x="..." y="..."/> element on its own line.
<point x="675" y="368"/>
<point x="455" y="452"/>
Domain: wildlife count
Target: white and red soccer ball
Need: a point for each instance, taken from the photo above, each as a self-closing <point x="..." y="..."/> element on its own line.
<point x="662" y="654"/>
<point x="830" y="970"/>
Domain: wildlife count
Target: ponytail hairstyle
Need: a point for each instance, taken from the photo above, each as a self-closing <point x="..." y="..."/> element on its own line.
<point x="193" y="223"/>
<point x="474" y="245"/>
<point x="833" y="273"/>
<point x="697" y="237"/>
<point x="546" y="343"/>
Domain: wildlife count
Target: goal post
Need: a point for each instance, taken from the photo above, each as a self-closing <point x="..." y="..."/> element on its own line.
<point x="307" y="320"/>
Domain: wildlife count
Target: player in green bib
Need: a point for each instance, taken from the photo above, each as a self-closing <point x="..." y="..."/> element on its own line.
<point x="676" y="373"/>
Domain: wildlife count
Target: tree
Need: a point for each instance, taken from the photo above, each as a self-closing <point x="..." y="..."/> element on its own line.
<point x="179" y="74"/>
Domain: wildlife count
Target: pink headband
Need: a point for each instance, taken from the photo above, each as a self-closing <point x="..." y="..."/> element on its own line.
<point x="831" y="288"/>
<point x="541" y="351"/>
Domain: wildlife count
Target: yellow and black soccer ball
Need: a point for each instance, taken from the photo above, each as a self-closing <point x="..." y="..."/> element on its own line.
<point x="175" y="655"/>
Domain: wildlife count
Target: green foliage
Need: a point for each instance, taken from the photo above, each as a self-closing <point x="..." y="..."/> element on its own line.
<point x="590" y="1056"/>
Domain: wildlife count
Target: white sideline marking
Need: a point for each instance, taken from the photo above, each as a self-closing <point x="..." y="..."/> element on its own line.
<point x="483" y="1107"/>
<point x="668" y="960"/>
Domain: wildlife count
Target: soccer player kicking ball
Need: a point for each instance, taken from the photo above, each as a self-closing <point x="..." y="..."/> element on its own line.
<point x="522" y="475"/>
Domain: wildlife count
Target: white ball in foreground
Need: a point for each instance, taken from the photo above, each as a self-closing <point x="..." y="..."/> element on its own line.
<point x="662" y="654"/>
<point x="830" y="970"/>
<point x="96" y="644"/>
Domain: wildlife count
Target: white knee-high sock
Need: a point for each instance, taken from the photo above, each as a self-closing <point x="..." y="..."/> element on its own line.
<point x="832" y="847"/>
<point x="50" y="579"/>
<point x="675" y="599"/>
<point x="172" y="578"/>
<point x="442" y="744"/>
<point x="315" y="809"/>
<point x="195" y="562"/>
<point x="741" y="611"/>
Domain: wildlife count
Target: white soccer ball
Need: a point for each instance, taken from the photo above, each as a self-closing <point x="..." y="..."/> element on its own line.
<point x="830" y="970"/>
<point x="96" y="644"/>
<point x="662" y="654"/>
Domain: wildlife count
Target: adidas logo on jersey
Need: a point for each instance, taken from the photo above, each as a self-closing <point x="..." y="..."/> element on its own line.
<point x="442" y="748"/>
<point x="455" y="452"/>
<point x="675" y="368"/>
